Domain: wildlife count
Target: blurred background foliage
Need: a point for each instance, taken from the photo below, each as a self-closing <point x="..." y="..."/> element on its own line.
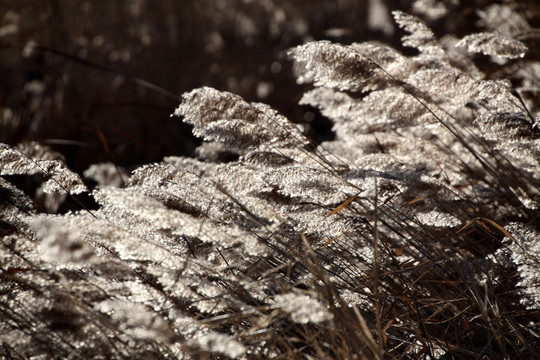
<point x="73" y="72"/>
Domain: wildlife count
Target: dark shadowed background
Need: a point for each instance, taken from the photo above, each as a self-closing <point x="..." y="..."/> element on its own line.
<point x="72" y="72"/>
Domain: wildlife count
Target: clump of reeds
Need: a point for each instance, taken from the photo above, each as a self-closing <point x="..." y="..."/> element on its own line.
<point x="412" y="234"/>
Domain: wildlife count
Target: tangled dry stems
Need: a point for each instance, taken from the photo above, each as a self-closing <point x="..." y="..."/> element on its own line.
<point x="411" y="234"/>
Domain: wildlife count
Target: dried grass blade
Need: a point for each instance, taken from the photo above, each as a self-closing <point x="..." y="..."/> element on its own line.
<point x="342" y="205"/>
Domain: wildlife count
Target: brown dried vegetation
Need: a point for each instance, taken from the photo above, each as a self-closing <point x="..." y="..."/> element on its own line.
<point x="412" y="232"/>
